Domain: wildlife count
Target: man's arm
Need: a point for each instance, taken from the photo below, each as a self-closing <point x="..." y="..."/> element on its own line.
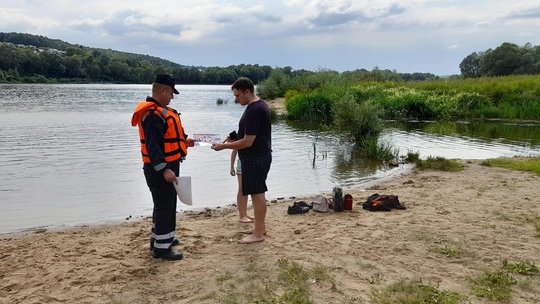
<point x="242" y="143"/>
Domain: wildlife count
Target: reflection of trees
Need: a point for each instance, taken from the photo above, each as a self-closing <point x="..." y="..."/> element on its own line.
<point x="349" y="162"/>
<point x="485" y="130"/>
<point x="311" y="127"/>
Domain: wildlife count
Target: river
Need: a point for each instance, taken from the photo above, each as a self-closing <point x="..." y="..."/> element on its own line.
<point x="70" y="155"/>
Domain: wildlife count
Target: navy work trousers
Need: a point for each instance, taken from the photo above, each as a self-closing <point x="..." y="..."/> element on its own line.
<point x="164" y="212"/>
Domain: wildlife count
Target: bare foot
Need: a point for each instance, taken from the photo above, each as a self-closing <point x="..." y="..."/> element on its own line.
<point x="251" y="239"/>
<point x="250" y="231"/>
<point x="246" y="219"/>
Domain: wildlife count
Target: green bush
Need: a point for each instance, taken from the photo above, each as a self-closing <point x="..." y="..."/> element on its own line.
<point x="359" y="119"/>
<point x="275" y="85"/>
<point x="269" y="89"/>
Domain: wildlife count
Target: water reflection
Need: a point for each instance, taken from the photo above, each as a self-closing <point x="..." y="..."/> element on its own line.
<point x="498" y="131"/>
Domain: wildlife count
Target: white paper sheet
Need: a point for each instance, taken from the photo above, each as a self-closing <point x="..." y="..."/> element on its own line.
<point x="183" y="189"/>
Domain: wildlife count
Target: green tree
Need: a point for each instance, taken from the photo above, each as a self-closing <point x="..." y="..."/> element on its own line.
<point x="470" y="65"/>
<point x="53" y="64"/>
<point x="119" y="70"/>
<point x="73" y="66"/>
<point x="504" y="60"/>
<point x="507" y="59"/>
<point x="30" y="63"/>
<point x="93" y="71"/>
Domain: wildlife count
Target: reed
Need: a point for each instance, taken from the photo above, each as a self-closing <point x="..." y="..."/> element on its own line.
<point x="310" y="107"/>
<point x="509" y="97"/>
<point x="374" y="149"/>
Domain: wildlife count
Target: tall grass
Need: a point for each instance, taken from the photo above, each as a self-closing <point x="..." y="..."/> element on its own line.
<point x="357" y="106"/>
<point x="509" y="97"/>
<point x="310" y="107"/>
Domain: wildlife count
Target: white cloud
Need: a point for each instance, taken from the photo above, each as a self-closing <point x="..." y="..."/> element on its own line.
<point x="345" y="34"/>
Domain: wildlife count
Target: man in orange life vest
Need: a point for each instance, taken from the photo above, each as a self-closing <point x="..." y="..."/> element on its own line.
<point x="163" y="146"/>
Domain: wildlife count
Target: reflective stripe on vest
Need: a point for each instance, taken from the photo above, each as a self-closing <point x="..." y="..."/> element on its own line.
<point x="174" y="139"/>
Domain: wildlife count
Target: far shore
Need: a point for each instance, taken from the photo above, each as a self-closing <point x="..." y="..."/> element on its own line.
<point x="277" y="105"/>
<point x="482" y="213"/>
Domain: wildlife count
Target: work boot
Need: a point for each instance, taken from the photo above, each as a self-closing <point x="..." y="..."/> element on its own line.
<point x="169" y="255"/>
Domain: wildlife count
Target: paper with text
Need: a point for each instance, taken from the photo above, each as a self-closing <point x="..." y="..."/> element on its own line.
<point x="206" y="139"/>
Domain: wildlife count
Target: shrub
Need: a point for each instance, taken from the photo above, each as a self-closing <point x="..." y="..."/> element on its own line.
<point x="359" y="119"/>
<point x="275" y="85"/>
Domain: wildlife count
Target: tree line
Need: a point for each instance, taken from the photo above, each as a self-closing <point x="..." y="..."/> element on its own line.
<point x="506" y="59"/>
<point x="33" y="58"/>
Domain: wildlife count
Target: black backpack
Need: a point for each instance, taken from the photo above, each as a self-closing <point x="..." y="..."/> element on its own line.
<point x="337" y="197"/>
<point x="377" y="202"/>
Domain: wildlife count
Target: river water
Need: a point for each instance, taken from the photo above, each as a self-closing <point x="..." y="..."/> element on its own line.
<point x="70" y="156"/>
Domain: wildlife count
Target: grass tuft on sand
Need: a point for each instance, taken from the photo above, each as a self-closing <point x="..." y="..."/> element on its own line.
<point x="434" y="163"/>
<point x="529" y="164"/>
<point x="414" y="291"/>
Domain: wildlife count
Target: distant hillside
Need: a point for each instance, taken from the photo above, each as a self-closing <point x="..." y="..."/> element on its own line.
<point x="32" y="58"/>
<point x="44" y="43"/>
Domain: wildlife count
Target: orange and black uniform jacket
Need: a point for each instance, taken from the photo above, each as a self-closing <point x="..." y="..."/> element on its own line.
<point x="161" y="133"/>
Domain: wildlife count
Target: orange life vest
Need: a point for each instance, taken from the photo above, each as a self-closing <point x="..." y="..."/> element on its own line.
<point x="174" y="138"/>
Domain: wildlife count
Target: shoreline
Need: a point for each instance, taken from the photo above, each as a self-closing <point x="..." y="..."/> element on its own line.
<point x="474" y="210"/>
<point x="385" y="176"/>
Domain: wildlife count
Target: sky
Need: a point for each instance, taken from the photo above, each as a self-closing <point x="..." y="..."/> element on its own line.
<point x="428" y="36"/>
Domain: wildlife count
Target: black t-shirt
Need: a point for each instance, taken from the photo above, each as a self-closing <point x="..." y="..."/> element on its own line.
<point x="256" y="121"/>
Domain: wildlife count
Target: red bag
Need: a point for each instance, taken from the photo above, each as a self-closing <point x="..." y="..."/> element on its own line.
<point x="348" y="202"/>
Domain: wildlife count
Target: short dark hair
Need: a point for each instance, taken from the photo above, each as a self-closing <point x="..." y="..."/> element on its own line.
<point x="243" y="84"/>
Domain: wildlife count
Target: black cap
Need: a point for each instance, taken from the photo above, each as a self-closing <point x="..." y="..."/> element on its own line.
<point x="166" y="80"/>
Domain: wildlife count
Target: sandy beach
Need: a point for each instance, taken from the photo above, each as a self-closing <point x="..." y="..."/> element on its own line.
<point x="481" y="212"/>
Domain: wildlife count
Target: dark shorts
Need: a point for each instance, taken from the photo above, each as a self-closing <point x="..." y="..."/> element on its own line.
<point x="254" y="172"/>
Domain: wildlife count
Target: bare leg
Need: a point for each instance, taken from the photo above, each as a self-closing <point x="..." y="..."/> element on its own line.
<point x="259" y="207"/>
<point x="241" y="201"/>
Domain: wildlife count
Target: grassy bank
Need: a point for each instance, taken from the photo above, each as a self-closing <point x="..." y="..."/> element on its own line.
<point x="357" y="107"/>
<point x="531" y="164"/>
<point x="510" y="97"/>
